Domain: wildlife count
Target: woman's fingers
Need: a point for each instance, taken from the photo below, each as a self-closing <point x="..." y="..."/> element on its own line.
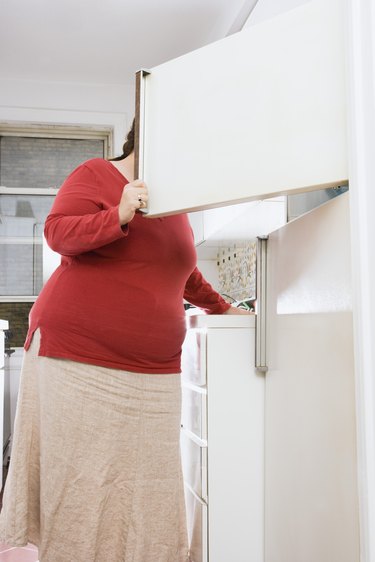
<point x="134" y="197"/>
<point x="140" y="192"/>
<point x="142" y="198"/>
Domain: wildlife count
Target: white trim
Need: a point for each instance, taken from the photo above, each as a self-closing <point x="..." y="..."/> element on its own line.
<point x="21" y="240"/>
<point x="58" y="130"/>
<point x="27" y="190"/>
<point x="17" y="298"/>
<point x="361" y="118"/>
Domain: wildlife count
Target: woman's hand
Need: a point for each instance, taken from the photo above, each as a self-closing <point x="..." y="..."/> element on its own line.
<point x="236" y="310"/>
<point x="133" y="198"/>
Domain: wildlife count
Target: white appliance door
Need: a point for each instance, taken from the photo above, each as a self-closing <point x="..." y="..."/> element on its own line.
<point x="212" y="121"/>
<point x="311" y="481"/>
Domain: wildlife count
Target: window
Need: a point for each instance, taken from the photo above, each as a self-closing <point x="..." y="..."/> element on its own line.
<point x="34" y="161"/>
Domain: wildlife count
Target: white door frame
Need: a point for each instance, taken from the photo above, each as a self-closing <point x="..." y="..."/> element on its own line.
<point x="360" y="23"/>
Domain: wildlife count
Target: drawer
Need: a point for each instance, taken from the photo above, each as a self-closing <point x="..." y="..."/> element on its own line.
<point x="193" y="359"/>
<point x="194" y="465"/>
<point x="197" y="526"/>
<point x="194" y="410"/>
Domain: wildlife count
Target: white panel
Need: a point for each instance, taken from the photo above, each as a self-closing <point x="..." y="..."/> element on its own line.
<point x="244" y="221"/>
<point x="235" y="447"/>
<point x="361" y="51"/>
<point x="257" y="114"/>
<point x="311" y="476"/>
<point x="309" y="253"/>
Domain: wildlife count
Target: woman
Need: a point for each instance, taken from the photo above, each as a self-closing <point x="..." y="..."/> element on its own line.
<point x="95" y="472"/>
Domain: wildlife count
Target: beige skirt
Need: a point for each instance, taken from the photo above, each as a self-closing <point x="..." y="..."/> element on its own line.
<point x="95" y="472"/>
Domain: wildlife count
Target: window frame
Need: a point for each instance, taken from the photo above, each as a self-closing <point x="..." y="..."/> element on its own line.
<point x="51" y="130"/>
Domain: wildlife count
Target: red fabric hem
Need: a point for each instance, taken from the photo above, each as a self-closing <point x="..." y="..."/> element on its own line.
<point x="84" y="360"/>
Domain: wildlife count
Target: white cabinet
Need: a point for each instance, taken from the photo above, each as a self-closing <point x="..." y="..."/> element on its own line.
<point x="222" y="440"/>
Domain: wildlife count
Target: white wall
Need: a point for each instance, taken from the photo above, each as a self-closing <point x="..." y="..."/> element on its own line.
<point x="210" y="271"/>
<point x="69" y="103"/>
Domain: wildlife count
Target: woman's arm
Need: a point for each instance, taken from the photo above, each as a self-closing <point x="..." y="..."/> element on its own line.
<point x="78" y="223"/>
<point x="200" y="293"/>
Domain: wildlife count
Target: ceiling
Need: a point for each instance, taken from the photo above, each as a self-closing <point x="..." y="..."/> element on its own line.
<point x="107" y="41"/>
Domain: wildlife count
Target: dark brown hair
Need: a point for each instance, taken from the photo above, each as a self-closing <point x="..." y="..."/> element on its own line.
<point x="128" y="145"/>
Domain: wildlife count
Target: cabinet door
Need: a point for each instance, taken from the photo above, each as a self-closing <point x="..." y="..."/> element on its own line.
<point x="257" y="114"/>
<point x="311" y="480"/>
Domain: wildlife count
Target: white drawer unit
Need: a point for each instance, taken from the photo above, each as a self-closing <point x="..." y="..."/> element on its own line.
<point x="194" y="410"/>
<point x="194" y="357"/>
<point x="194" y="464"/>
<point x="222" y="439"/>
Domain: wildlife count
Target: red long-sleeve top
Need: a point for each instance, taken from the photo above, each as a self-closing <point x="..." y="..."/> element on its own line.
<point x="116" y="300"/>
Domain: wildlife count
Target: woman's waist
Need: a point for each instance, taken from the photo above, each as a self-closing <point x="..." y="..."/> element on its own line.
<point x="137" y="306"/>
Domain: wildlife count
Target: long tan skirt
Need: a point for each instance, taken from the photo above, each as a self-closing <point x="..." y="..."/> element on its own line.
<point x="95" y="472"/>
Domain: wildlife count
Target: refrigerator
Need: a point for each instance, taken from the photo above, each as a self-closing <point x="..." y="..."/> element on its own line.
<point x="260" y="114"/>
<point x="311" y="481"/>
<point x="277" y="404"/>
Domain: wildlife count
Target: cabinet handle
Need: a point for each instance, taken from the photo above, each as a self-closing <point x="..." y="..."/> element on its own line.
<point x="260" y="320"/>
<point x="139" y="132"/>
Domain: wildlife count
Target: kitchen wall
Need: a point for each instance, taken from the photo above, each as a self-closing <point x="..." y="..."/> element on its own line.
<point x="236" y="264"/>
<point x="36" y="101"/>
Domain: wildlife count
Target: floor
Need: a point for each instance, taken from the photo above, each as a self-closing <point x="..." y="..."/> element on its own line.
<point x="27" y="553"/>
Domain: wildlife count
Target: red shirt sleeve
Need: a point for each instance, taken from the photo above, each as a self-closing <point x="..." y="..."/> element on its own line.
<point x="77" y="222"/>
<point x="200" y="293"/>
